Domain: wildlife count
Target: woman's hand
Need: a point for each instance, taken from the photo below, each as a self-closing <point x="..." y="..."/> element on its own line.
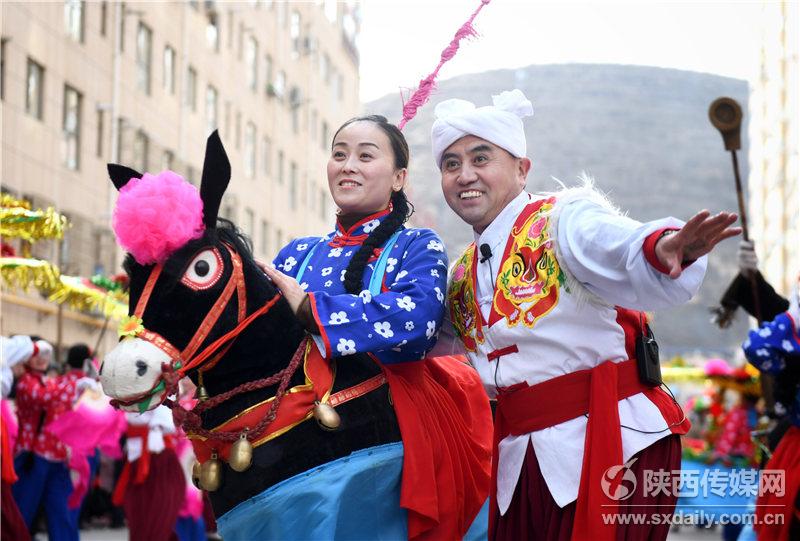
<point x="291" y="290"/>
<point x="695" y="239"/>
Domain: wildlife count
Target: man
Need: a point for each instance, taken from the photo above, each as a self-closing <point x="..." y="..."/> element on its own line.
<point x="548" y="304"/>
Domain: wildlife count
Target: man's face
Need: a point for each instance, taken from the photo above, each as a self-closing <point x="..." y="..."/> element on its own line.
<point x="479" y="179"/>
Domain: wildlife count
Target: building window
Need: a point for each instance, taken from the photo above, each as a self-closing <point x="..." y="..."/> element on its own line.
<point x="34" y="95"/>
<point x="280" y="167"/>
<point x="280" y="84"/>
<point x="251" y="59"/>
<point x="72" y="127"/>
<point x="324" y="139"/>
<point x="282" y="14"/>
<point x="293" y="186"/>
<point x="294" y="34"/>
<point x="325" y="68"/>
<point x="250" y="150"/>
<point x="167" y="161"/>
<point x="264" y="244"/>
<point x="141" y="148"/>
<point x="122" y="29"/>
<point x="268" y="75"/>
<point x="3" y="68"/>
<point x="144" y="43"/>
<point x="73" y="19"/>
<point x="331" y="11"/>
<point x="100" y="130"/>
<point x="312" y="125"/>
<point x="249" y="223"/>
<point x="227" y="119"/>
<point x="238" y="134"/>
<point x="212" y="31"/>
<point x="103" y="17"/>
<point x="191" y="175"/>
<point x="169" y="70"/>
<point x="266" y="153"/>
<point x="211" y="109"/>
<point x="323" y="203"/>
<point x="339" y="91"/>
<point x="230" y="29"/>
<point x="190" y="96"/>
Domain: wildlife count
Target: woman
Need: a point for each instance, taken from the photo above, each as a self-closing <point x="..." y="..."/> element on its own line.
<point x="373" y="286"/>
<point x="41" y="461"/>
<point x="367" y="171"/>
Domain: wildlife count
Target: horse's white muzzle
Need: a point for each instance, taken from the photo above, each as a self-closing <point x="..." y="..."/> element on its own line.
<point x="131" y="369"/>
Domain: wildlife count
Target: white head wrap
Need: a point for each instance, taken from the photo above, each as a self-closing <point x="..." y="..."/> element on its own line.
<point x="500" y="123"/>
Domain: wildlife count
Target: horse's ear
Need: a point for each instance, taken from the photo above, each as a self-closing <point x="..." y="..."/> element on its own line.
<point x="120" y="175"/>
<point x="216" y="175"/>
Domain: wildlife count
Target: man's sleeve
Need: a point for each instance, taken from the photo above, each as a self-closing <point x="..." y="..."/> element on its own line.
<point x="605" y="253"/>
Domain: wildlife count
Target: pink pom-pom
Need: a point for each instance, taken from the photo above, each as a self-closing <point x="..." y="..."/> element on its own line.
<point x="156" y="215"/>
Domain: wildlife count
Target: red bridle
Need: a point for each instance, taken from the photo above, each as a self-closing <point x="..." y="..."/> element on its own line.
<point x="183" y="361"/>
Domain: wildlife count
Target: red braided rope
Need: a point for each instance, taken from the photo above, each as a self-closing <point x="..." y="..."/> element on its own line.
<point x="190" y="420"/>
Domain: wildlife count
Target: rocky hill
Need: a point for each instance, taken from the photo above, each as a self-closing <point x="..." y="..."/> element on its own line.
<point x="643" y="134"/>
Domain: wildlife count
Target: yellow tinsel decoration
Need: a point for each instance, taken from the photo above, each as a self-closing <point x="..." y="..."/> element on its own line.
<point x="17" y="220"/>
<point x="73" y="292"/>
<point x="22" y="273"/>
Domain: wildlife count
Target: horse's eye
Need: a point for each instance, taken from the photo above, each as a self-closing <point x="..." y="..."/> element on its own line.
<point x="204" y="270"/>
<point x="201" y="267"/>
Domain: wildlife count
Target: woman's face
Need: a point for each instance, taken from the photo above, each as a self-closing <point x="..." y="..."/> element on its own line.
<point x="361" y="169"/>
<point x="39" y="362"/>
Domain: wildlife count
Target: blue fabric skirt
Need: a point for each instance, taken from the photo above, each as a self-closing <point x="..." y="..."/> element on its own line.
<point x="354" y="497"/>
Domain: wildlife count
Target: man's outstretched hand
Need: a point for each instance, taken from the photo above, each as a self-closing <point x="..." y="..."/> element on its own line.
<point x="695" y="239"/>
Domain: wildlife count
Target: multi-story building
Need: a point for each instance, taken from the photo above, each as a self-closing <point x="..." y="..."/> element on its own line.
<point x="774" y="184"/>
<point x="143" y="84"/>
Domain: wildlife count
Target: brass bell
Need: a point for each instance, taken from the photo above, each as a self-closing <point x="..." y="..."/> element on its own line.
<point x="211" y="474"/>
<point x="326" y="416"/>
<point x="197" y="469"/>
<point x="200" y="394"/>
<point x="241" y="454"/>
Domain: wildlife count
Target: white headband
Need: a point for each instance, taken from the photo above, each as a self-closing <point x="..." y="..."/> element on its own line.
<point x="500" y="123"/>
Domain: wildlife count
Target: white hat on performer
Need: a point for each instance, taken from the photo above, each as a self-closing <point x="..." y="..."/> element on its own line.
<point x="500" y="123"/>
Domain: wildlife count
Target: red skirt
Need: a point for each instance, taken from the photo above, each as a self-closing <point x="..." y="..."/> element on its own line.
<point x="786" y="458"/>
<point x="534" y="514"/>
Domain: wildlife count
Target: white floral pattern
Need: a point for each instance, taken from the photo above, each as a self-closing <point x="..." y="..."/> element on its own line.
<point x="396" y="325"/>
<point x="384" y="328"/>
<point x="406" y="303"/>
<point x="346" y="347"/>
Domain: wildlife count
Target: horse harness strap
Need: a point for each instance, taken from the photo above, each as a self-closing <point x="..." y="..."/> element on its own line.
<point x="235" y="282"/>
<point x="296" y="406"/>
<point x="182" y="361"/>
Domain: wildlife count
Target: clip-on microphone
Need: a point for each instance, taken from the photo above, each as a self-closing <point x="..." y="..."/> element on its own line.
<point x="486" y="255"/>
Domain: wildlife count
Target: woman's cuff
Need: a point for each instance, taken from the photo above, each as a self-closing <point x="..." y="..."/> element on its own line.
<point x="306" y="316"/>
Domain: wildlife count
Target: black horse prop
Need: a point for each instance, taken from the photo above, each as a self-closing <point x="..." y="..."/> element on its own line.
<point x="266" y="396"/>
<point x="173" y="317"/>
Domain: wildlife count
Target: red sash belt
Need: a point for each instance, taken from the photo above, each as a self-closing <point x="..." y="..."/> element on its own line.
<point x="522" y="409"/>
<point x="142" y="463"/>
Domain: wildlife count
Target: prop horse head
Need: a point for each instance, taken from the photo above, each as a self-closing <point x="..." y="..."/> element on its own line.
<point x="201" y="307"/>
<point x="196" y="294"/>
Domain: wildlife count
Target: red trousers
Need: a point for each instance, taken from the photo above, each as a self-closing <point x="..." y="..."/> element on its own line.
<point x="534" y="515"/>
<point x="152" y="507"/>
